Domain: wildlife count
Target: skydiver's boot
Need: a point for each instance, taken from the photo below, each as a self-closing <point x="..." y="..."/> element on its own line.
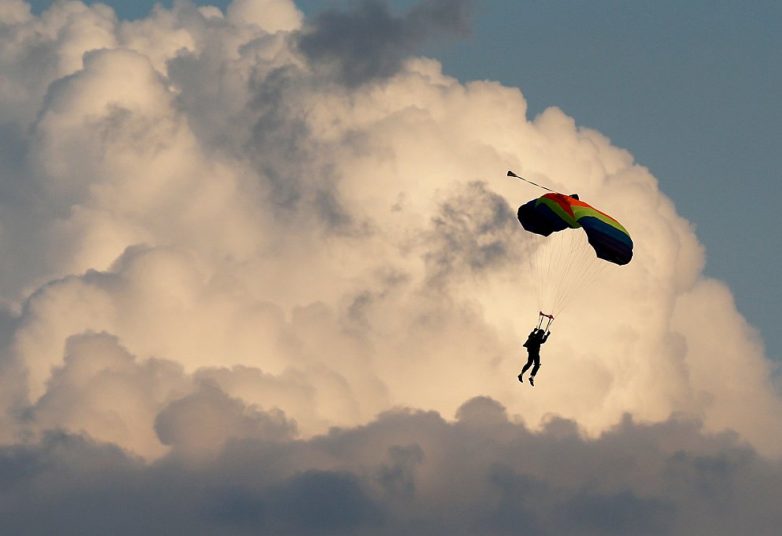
<point x="521" y="378"/>
<point x="532" y="381"/>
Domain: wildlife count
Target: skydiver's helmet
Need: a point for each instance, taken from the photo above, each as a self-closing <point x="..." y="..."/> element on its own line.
<point x="574" y="196"/>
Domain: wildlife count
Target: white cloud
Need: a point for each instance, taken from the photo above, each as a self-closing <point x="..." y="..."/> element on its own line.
<point x="269" y="15"/>
<point x="101" y="391"/>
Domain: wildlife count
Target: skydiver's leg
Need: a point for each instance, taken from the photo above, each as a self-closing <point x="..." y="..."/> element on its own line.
<point x="528" y="364"/>
<point x="536" y="358"/>
<point x="524" y="369"/>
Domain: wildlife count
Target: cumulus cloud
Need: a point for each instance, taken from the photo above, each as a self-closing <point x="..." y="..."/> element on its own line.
<point x="200" y="423"/>
<point x="269" y="15"/>
<point x="403" y="473"/>
<point x="101" y="391"/>
<point x="370" y="42"/>
<point x="216" y="257"/>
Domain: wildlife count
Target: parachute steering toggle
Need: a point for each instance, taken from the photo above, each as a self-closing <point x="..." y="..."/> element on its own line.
<point x="548" y="319"/>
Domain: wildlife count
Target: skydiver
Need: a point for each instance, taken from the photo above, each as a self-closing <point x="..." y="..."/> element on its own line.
<point x="534" y="340"/>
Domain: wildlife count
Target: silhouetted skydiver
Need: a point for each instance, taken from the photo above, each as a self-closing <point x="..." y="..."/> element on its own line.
<point x="535" y="339"/>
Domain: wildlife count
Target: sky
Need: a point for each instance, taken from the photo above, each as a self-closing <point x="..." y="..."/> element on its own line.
<point x="262" y="271"/>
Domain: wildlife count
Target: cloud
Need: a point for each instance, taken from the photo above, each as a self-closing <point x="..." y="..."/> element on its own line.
<point x="369" y="42"/>
<point x="216" y="258"/>
<point x="102" y="391"/>
<point x="405" y="472"/>
<point x="270" y="15"/>
<point x="201" y="422"/>
<point x="216" y="203"/>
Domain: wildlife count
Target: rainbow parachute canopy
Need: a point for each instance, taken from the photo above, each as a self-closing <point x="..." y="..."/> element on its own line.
<point x="556" y="212"/>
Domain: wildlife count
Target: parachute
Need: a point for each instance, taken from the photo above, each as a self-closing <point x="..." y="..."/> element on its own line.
<point x="556" y="212"/>
<point x="579" y="242"/>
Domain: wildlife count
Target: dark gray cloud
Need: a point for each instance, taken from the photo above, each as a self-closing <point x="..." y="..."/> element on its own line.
<point x="12" y="389"/>
<point x="370" y="42"/>
<point x="310" y="502"/>
<point x="404" y="473"/>
<point x="470" y="233"/>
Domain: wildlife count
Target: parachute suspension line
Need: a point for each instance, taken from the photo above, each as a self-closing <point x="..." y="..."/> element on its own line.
<point x="559" y="260"/>
<point x="580" y="269"/>
<point x="512" y="174"/>
<point x="550" y="254"/>
<point x="564" y="263"/>
<point x="591" y="270"/>
<point x="567" y="271"/>
<point x="532" y="257"/>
